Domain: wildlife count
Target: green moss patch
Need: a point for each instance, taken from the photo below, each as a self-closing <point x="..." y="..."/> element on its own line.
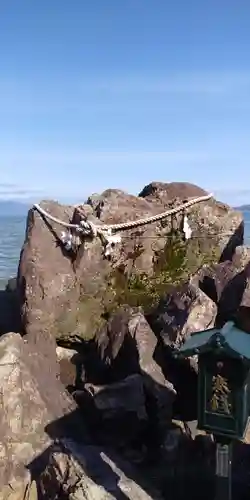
<point x="172" y="265"/>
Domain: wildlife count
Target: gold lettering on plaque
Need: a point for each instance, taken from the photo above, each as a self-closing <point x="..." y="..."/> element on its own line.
<point x="220" y="399"/>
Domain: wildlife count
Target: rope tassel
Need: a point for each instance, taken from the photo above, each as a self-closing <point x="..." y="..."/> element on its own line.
<point x="110" y="240"/>
<point x="66" y="239"/>
<point x="186" y="228"/>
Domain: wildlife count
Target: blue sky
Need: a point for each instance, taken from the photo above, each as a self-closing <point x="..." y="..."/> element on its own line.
<point x="117" y="93"/>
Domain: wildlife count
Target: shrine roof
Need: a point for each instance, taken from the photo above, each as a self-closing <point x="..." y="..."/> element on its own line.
<point x="229" y="338"/>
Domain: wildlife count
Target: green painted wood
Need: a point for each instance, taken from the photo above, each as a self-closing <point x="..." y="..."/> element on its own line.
<point x="236" y="342"/>
<point x="223" y="379"/>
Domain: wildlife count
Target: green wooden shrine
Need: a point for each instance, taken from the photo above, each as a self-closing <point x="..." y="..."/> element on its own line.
<point x="223" y="379"/>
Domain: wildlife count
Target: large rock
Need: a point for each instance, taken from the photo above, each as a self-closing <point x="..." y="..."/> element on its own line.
<point x="20" y="489"/>
<point x="187" y="309"/>
<point x="127" y="348"/>
<point x="71" y="367"/>
<point x="64" y="297"/>
<point x="85" y="472"/>
<point x="49" y="288"/>
<point x="120" y="397"/>
<point x="160" y="390"/>
<point x="42" y="438"/>
<point x="228" y="285"/>
<point x="115" y="413"/>
<point x="163" y="192"/>
<point x="31" y="398"/>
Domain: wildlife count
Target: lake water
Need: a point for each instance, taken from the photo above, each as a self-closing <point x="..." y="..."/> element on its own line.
<point x="12" y="230"/>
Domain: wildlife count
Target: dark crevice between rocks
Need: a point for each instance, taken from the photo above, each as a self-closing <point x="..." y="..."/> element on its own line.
<point x="10" y="316"/>
<point x="229" y="298"/>
<point x="98" y="371"/>
<point x="208" y="283"/>
<point x="236" y="240"/>
<point x="207" y="286"/>
<point x="184" y="378"/>
<point x="112" y="433"/>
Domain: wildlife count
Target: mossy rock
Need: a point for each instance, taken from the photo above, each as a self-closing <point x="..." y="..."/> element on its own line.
<point x="172" y="266"/>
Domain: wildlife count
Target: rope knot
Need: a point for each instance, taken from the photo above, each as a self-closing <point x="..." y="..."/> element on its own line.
<point x="88" y="228"/>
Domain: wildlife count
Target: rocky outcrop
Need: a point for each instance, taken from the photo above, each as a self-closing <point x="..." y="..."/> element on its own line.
<point x="163" y="193"/>
<point x="221" y="225"/>
<point x="63" y="297"/>
<point x="44" y="449"/>
<point x="120" y="397"/>
<point x="116" y="414"/>
<point x="20" y="489"/>
<point x="187" y="309"/>
<point x="227" y="284"/>
<point x="120" y="381"/>
<point x="160" y="390"/>
<point x="31" y="397"/>
<point x="85" y="472"/>
<point x="107" y="329"/>
<point x="134" y="305"/>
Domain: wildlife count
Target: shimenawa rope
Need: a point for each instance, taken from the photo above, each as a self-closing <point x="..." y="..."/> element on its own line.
<point x="90" y="227"/>
<point x="104" y="231"/>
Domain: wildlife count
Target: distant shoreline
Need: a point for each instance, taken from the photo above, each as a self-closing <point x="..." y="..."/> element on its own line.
<point x="242" y="208"/>
<point x="13" y="209"/>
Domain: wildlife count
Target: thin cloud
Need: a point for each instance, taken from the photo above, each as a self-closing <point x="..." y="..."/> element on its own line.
<point x="7" y="185"/>
<point x="23" y="199"/>
<point x="9" y="191"/>
<point x="18" y="192"/>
